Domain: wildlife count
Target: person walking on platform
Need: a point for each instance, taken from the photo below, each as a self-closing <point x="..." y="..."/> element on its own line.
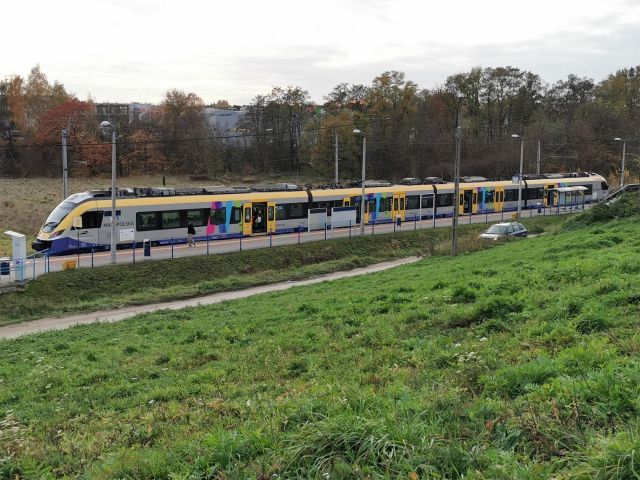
<point x="191" y="232"/>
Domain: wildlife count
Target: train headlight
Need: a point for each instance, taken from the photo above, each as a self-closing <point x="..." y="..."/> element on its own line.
<point x="55" y="234"/>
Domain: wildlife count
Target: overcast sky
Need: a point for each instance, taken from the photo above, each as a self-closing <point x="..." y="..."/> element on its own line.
<point x="135" y="50"/>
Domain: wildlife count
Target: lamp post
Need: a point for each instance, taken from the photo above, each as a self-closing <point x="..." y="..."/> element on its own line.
<point x="364" y="163"/>
<point x="65" y="178"/>
<point x="456" y="178"/>
<point x="335" y="132"/>
<point x="520" y="173"/>
<point x="624" y="151"/>
<point x="105" y="125"/>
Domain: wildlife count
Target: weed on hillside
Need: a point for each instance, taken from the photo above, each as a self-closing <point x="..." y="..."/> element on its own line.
<point x="627" y="206"/>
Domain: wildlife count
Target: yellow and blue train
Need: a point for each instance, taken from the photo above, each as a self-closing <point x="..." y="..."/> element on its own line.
<point x="161" y="215"/>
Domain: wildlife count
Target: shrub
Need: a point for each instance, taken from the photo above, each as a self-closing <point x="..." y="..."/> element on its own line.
<point x="498" y="308"/>
<point x="348" y="440"/>
<point x="462" y="294"/>
<point x="593" y="321"/>
<point x="626" y="206"/>
<point x="297" y="368"/>
<point x="611" y="458"/>
<point x="515" y="380"/>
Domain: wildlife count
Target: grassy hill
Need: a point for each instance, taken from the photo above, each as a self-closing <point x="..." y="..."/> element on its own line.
<point x="519" y="361"/>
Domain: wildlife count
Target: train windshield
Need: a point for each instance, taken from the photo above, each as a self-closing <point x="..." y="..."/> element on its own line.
<point x="57" y="215"/>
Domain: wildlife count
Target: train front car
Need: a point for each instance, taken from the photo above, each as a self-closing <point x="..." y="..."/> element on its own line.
<point x="54" y="235"/>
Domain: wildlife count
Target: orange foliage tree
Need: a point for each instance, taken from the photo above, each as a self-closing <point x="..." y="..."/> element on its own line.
<point x="143" y="154"/>
<point x="87" y="155"/>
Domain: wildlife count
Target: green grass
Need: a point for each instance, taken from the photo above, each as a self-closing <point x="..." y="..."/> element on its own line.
<point x="113" y="286"/>
<point x="519" y="361"/>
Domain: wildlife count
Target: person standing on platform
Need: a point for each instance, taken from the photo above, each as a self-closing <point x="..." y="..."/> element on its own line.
<point x="191" y="232"/>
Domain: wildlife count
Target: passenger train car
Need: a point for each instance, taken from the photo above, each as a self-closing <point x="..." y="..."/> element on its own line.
<point x="161" y="215"/>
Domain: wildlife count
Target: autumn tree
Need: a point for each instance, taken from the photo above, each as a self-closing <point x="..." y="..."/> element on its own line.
<point x="345" y="97"/>
<point x="87" y="156"/>
<point x="144" y="154"/>
<point x="40" y="95"/>
<point x="274" y="124"/>
<point x="391" y="106"/>
<point x="564" y="97"/>
<point x="621" y="93"/>
<point x="182" y="121"/>
<point x="16" y="102"/>
<point x="319" y="145"/>
<point x="222" y="104"/>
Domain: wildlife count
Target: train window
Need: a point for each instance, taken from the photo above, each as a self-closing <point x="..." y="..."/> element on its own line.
<point x="329" y="205"/>
<point x="385" y="205"/>
<point x="604" y="186"/>
<point x="146" y="221"/>
<point x="247" y="215"/>
<point x="533" y="193"/>
<point x="107" y="213"/>
<point x="296" y="210"/>
<point x="489" y="196"/>
<point x="589" y="189"/>
<point x="325" y="205"/>
<point x="445" y="200"/>
<point x="395" y="203"/>
<point x="236" y="214"/>
<point x="91" y="219"/>
<point x="401" y="203"/>
<point x="413" y="202"/>
<point x="218" y="216"/>
<point x="197" y="217"/>
<point x="427" y="201"/>
<point x="511" y="195"/>
<point x="170" y="219"/>
<point x="271" y="214"/>
<point x="371" y="206"/>
<point x="281" y="212"/>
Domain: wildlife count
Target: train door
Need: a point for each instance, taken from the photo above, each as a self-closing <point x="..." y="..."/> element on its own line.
<point x="370" y="212"/>
<point x="87" y="229"/>
<point x="271" y="217"/>
<point x="498" y="199"/>
<point x="247" y="219"/>
<point x="468" y="202"/>
<point x="259" y="212"/>
<point x="398" y="205"/>
<point x="550" y="195"/>
<point x="367" y="214"/>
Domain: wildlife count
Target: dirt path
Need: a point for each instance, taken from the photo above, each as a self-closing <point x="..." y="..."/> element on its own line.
<point x="59" y="323"/>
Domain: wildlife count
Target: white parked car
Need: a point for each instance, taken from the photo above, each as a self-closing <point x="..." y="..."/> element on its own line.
<point x="505" y="229"/>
